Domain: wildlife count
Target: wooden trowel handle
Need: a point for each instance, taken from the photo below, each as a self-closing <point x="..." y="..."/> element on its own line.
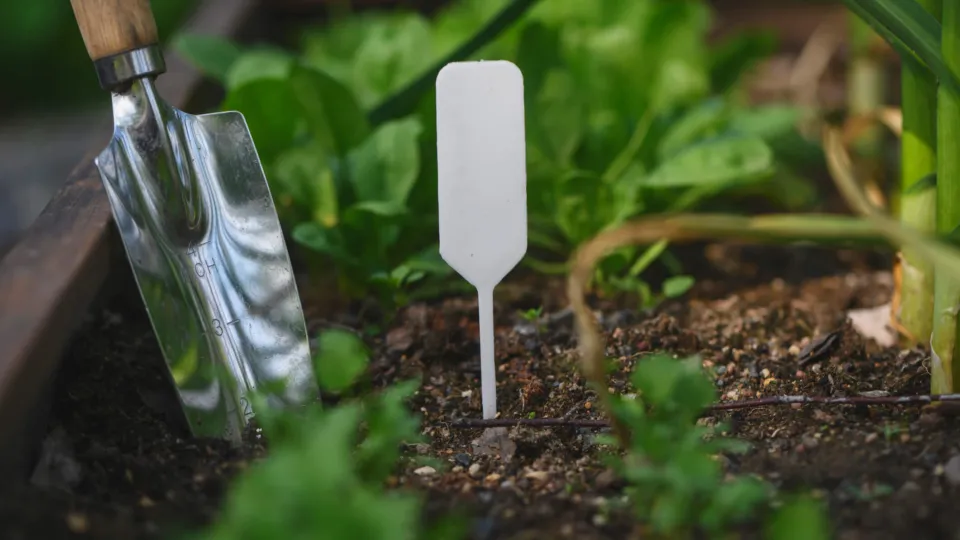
<point x="110" y="27"/>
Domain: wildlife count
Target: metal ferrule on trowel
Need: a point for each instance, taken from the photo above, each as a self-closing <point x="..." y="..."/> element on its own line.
<point x="198" y="223"/>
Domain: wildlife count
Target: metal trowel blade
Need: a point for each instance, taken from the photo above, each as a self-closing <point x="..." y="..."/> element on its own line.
<point x="193" y="207"/>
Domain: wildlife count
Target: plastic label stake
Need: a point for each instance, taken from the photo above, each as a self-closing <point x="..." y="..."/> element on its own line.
<point x="482" y="168"/>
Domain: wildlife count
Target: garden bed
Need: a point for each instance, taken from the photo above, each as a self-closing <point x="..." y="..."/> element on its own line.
<point x="118" y="462"/>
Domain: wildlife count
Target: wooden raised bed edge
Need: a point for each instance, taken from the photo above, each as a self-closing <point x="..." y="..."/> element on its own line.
<point x="57" y="268"/>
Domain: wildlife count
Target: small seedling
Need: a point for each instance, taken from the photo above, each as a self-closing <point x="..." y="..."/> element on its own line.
<point x="532" y="314"/>
<point x="482" y="193"/>
<point x="677" y="485"/>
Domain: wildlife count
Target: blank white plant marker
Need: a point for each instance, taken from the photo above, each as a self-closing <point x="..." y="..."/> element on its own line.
<point x="482" y="168"/>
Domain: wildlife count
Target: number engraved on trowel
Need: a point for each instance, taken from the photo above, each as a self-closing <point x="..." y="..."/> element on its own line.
<point x="203" y="265"/>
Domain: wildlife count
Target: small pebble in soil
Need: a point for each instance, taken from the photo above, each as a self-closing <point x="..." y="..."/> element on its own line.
<point x="77" y="522"/>
<point x="462" y="459"/>
<point x="424" y="471"/>
<point x="952" y="471"/>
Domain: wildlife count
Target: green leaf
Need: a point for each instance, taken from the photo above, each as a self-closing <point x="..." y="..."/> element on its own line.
<point x="340" y="360"/>
<point x="766" y="121"/>
<point x="271" y="113"/>
<point x="693" y="392"/>
<point x="923" y="184"/>
<point x="212" y="55"/>
<point x="319" y="238"/>
<point x="405" y="101"/>
<point x="734" y="502"/>
<point x="389" y="424"/>
<point x="391" y="55"/>
<point x="677" y="286"/>
<point x="909" y="29"/>
<point x="538" y="53"/>
<point x="256" y="64"/>
<point x="704" y="119"/>
<point x="385" y="167"/>
<point x="557" y="118"/>
<point x="676" y="31"/>
<point x="803" y="518"/>
<point x="426" y="262"/>
<point x="303" y="175"/>
<point x="670" y="511"/>
<point x="722" y="161"/>
<point x="656" y="376"/>
<point x="332" y="113"/>
<point x="379" y="208"/>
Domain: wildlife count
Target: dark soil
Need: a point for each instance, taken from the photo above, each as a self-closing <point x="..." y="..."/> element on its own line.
<point x="118" y="464"/>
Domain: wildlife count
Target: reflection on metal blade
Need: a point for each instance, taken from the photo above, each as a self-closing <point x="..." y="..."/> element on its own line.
<point x="193" y="207"/>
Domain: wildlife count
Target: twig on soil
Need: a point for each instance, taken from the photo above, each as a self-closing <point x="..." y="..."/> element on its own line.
<point x="528" y="422"/>
<point x="727" y="406"/>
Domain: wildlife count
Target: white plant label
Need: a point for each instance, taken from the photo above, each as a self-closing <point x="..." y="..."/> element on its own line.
<point x="482" y="168"/>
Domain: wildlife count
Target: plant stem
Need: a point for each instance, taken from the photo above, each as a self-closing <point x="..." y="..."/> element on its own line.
<point x="918" y="209"/>
<point x="943" y="342"/>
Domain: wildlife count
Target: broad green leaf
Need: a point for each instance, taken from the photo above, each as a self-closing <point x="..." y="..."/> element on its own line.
<point x="212" y="55"/>
<point x="734" y="502"/>
<point x="379" y="208"/>
<point x="802" y="518"/>
<point x="700" y="121"/>
<point x="722" y="161"/>
<point x="385" y="167"/>
<point x="391" y="55"/>
<point x="404" y="101"/>
<point x="259" y="63"/>
<point x="331" y="111"/>
<point x="426" y="263"/>
<point x="910" y="29"/>
<point x="538" y="53"/>
<point x="656" y="376"/>
<point x="302" y="174"/>
<point x="323" y="240"/>
<point x="692" y="468"/>
<point x="694" y="391"/>
<point x="677" y="286"/>
<point x="670" y="511"/>
<point x="585" y="205"/>
<point x="922" y="185"/>
<point x="766" y="121"/>
<point x="677" y="32"/>
<point x="429" y="261"/>
<point x="557" y="119"/>
<point x="271" y="113"/>
<point x="341" y="358"/>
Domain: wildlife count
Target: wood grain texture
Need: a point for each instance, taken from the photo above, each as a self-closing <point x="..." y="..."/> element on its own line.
<point x="57" y="267"/>
<point x="110" y="27"/>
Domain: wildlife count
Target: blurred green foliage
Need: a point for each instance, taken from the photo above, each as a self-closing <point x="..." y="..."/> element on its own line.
<point x="327" y="470"/>
<point x="630" y="110"/>
<point x="43" y="54"/>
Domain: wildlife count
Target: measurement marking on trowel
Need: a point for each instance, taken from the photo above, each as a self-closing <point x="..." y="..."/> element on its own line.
<point x="202" y="269"/>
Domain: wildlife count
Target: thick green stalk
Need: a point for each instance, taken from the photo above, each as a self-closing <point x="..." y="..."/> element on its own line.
<point x="943" y="342"/>
<point x="918" y="207"/>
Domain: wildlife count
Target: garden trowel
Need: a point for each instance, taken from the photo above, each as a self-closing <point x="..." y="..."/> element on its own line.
<point x="198" y="223"/>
